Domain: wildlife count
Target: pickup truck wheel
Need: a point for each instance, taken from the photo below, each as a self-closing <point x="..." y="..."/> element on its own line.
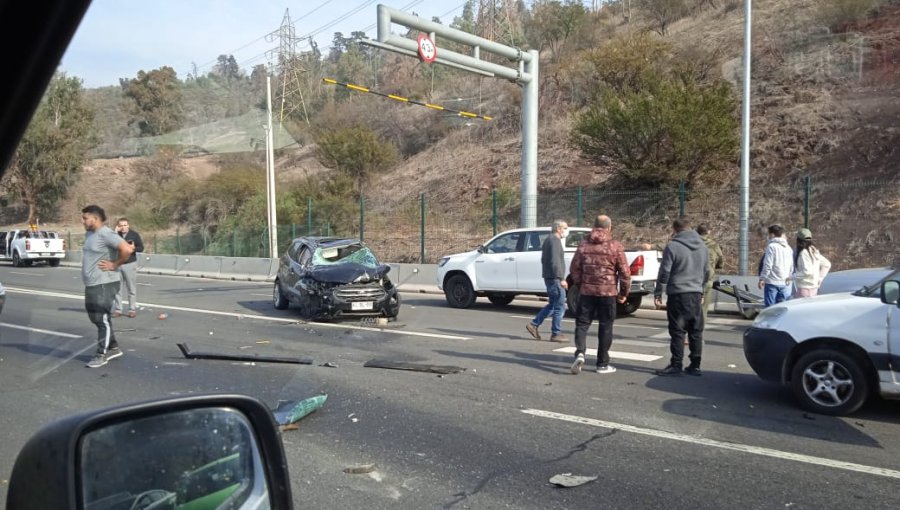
<point x="572" y="296"/>
<point x="459" y="291"/>
<point x="499" y="299"/>
<point x="53" y="262"/>
<point x="630" y="306"/>
<point x="17" y="260"/>
<point x="279" y="300"/>
<point x="827" y="381"/>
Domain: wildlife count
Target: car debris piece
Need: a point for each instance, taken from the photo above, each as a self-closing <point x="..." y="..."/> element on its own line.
<point x="415" y="367"/>
<point x="359" y="469"/>
<point x="329" y="364"/>
<point x="242" y="357"/>
<point x="288" y="412"/>
<point x="569" y="480"/>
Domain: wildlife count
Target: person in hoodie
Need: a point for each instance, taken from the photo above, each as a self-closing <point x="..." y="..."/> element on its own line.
<point x="683" y="274"/>
<point x="777" y="268"/>
<point x="600" y="270"/>
<point x="716" y="261"/>
<point x="810" y="265"/>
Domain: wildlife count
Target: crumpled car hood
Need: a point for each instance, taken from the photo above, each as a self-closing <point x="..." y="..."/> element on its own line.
<point x="348" y="273"/>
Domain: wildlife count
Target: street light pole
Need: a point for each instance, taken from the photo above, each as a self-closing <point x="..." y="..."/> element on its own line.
<point x="270" y="175"/>
<point x="744" y="229"/>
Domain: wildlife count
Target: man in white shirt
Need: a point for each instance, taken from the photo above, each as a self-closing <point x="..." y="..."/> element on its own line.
<point x="777" y="267"/>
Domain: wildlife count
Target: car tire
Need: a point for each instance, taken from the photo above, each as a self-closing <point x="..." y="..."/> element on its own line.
<point x="279" y="300"/>
<point x="459" y="291"/>
<point x="830" y="382"/>
<point x="573" y="294"/>
<point x="17" y="260"/>
<point x="631" y="305"/>
<point x="500" y="299"/>
<point x="53" y="262"/>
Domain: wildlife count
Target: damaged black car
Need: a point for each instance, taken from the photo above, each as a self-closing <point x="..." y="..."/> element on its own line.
<point x="327" y="277"/>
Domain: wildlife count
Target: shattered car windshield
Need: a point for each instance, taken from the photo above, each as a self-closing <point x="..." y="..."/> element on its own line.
<point x="354" y="253"/>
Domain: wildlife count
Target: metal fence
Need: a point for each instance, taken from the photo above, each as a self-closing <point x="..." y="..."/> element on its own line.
<point x="854" y="224"/>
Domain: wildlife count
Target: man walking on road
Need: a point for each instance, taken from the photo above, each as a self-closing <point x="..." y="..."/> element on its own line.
<point x="553" y="269"/>
<point x="716" y="261"/>
<point x="600" y="271"/>
<point x="777" y="268"/>
<point x="128" y="270"/>
<point x="104" y="252"/>
<point x="683" y="273"/>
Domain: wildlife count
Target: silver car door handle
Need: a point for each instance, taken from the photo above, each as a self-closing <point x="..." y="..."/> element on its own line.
<point x="479" y="262"/>
<point x="509" y="259"/>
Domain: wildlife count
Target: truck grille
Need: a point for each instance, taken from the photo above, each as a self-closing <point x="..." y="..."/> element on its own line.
<point x="360" y="293"/>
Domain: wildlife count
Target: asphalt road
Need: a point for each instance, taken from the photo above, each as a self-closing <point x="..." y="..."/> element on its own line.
<point x="489" y="437"/>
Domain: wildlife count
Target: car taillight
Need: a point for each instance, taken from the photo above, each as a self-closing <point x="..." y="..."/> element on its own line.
<point x="27" y="245"/>
<point x="637" y="266"/>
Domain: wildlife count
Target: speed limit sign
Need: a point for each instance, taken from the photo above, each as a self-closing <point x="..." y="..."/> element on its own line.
<point x="427" y="49"/>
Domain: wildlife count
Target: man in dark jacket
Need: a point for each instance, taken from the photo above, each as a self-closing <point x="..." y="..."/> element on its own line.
<point x="683" y="273"/>
<point x="600" y="271"/>
<point x="553" y="270"/>
<point x="128" y="270"/>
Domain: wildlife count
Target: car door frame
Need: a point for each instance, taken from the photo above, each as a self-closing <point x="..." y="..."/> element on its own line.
<point x="487" y="266"/>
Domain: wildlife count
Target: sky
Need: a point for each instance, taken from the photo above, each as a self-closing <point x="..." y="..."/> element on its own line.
<point x="118" y="38"/>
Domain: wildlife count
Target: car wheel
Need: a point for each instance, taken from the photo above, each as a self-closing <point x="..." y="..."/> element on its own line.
<point x="630" y="306"/>
<point x="829" y="382"/>
<point x="278" y="298"/>
<point x="53" y="262"/>
<point x="572" y="296"/>
<point x="500" y="299"/>
<point x="17" y="260"/>
<point x="459" y="291"/>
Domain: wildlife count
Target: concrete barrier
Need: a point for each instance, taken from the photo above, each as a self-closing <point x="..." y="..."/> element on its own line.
<point x="201" y="267"/>
<point x="250" y="269"/>
<point x="158" y="264"/>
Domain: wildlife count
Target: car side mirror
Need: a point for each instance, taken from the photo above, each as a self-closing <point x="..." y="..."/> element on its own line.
<point x="208" y="451"/>
<point x="890" y="292"/>
<point x="480" y="248"/>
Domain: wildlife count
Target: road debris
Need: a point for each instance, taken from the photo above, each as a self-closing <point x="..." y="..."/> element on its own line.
<point x="261" y="342"/>
<point x="732" y="365"/>
<point x="163" y="316"/>
<point x="415" y="367"/>
<point x="242" y="357"/>
<point x="568" y="480"/>
<point x="288" y="412"/>
<point x="329" y="364"/>
<point x="359" y="469"/>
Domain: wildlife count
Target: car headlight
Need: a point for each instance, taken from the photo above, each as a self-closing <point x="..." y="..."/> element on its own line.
<point x="769" y="318"/>
<point x="443" y="261"/>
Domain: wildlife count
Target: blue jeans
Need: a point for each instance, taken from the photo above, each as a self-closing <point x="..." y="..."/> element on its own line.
<point x="774" y="294"/>
<point x="557" y="306"/>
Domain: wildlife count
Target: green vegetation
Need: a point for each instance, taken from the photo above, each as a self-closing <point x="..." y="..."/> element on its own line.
<point x="356" y="152"/>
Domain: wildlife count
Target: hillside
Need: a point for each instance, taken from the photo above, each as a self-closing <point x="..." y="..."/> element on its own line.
<point x="824" y="105"/>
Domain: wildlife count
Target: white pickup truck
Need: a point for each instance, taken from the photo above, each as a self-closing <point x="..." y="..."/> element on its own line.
<point x="510" y="264"/>
<point x="25" y="246"/>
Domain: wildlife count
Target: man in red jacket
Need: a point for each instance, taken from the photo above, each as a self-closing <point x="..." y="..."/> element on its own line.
<point x="600" y="271"/>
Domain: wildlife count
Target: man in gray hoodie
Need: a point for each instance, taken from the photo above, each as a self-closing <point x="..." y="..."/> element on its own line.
<point x="777" y="267"/>
<point x="683" y="274"/>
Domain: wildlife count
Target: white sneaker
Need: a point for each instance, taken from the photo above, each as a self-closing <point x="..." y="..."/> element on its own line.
<point x="576" y="366"/>
<point x="606" y="369"/>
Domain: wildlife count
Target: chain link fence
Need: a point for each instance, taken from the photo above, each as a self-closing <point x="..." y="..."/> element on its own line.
<point x="854" y="224"/>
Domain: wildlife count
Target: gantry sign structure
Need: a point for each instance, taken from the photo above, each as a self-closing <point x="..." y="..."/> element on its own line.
<point x="523" y="70"/>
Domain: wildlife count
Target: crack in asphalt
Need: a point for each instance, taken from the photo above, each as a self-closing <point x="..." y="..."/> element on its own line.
<point x="581" y="447"/>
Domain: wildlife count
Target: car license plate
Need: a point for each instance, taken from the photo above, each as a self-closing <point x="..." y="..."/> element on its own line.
<point x="45" y="254"/>
<point x="361" y="305"/>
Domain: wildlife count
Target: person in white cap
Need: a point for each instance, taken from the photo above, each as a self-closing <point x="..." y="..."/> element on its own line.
<point x="810" y="265"/>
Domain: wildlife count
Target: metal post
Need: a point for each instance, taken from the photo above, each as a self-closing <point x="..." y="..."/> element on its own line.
<point x="422" y="228"/>
<point x="155" y="246"/>
<point x="270" y="174"/>
<point x="744" y="228"/>
<point x="494" y="210"/>
<point x="234" y="243"/>
<point x="309" y="216"/>
<point x="807" y="184"/>
<point x="177" y="241"/>
<point x="579" y="208"/>
<point x="682" y="197"/>
<point x="293" y="231"/>
<point x="530" y="104"/>
<point x="362" y="217"/>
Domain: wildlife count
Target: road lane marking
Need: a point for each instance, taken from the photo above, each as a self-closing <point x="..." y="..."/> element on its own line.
<point x="38" y="330"/>
<point x="570" y="321"/>
<point x="26" y="274"/>
<point x="145" y="284"/>
<point x="738" y="447"/>
<point x="254" y="316"/>
<point x="263" y="295"/>
<point x="633" y="356"/>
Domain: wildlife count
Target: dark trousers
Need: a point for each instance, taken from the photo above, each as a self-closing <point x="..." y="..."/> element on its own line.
<point x="98" y="301"/>
<point x="602" y="308"/>
<point x="685" y="319"/>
